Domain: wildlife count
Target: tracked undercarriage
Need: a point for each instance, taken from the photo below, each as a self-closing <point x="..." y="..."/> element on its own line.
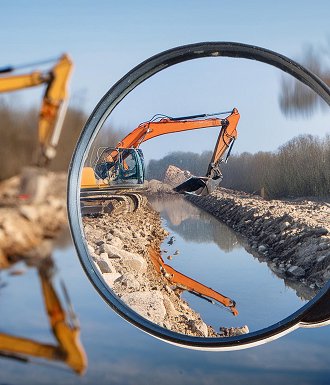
<point x="110" y="201"/>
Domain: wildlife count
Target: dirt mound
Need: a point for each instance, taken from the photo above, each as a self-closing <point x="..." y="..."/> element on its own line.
<point x="26" y="228"/>
<point x="157" y="187"/>
<point x="175" y="176"/>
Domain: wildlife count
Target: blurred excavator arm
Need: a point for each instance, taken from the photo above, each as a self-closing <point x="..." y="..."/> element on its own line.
<point x="66" y="332"/>
<point x="54" y="102"/>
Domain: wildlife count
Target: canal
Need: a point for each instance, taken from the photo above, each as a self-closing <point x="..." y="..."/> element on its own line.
<point x="208" y="251"/>
<point x="118" y="353"/>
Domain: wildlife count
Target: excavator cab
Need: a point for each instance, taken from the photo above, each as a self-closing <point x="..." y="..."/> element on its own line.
<point x="120" y="166"/>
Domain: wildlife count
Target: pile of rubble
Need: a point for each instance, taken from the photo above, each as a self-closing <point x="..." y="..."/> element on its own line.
<point x="27" y="228"/>
<point x="173" y="177"/>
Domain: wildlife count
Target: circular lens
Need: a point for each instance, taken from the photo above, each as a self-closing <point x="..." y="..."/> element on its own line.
<point x="191" y="239"/>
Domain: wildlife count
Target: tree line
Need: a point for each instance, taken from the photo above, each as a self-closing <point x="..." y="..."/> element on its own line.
<point x="19" y="138"/>
<point x="300" y="167"/>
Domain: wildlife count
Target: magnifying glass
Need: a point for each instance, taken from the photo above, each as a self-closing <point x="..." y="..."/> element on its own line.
<point x="151" y="249"/>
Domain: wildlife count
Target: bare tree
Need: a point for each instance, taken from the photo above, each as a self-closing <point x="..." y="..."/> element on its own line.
<point x="299" y="168"/>
<point x="295" y="97"/>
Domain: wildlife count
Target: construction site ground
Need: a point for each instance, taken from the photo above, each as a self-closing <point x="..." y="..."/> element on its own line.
<point x="292" y="236"/>
<point x="27" y="229"/>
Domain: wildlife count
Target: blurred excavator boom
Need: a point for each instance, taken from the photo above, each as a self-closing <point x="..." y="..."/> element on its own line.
<point x="54" y="101"/>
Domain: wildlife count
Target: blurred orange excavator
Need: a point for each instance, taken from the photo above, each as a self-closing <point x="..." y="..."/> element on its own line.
<point x="123" y="166"/>
<point x="64" y="326"/>
<point x="54" y="102"/>
<point x="51" y="117"/>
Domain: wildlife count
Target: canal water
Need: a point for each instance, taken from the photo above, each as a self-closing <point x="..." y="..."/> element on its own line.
<point x="208" y="251"/>
<point x="118" y="353"/>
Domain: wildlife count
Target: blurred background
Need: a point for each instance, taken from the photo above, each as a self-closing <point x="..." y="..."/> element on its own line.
<point x="106" y="40"/>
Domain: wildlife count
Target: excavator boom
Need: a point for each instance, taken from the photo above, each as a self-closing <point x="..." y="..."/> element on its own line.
<point x="113" y="161"/>
<point x="149" y="130"/>
<point x="63" y="325"/>
<point x="187" y="283"/>
<point x="14" y="83"/>
<point x="54" y="102"/>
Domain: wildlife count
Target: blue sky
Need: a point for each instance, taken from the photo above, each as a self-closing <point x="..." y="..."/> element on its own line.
<point x="108" y="38"/>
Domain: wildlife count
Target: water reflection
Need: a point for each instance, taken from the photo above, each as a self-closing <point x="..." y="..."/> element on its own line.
<point x="54" y="307"/>
<point x="198" y="226"/>
<point x="121" y="354"/>
<point x="143" y="257"/>
<point x="195" y="225"/>
<point x="124" y="242"/>
<point x="207" y="250"/>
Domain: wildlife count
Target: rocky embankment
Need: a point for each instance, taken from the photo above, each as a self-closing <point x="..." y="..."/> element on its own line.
<point x="26" y="228"/>
<point x="119" y="246"/>
<point x="292" y="236"/>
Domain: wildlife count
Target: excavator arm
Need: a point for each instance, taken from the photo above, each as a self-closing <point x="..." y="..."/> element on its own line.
<point x="18" y="82"/>
<point x="66" y="331"/>
<point x="149" y="130"/>
<point x="187" y="283"/>
<point x="226" y="138"/>
<point x="54" y="102"/>
<point x="112" y="157"/>
<point x="53" y="110"/>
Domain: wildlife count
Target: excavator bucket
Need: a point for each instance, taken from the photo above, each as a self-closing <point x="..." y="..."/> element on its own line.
<point x="196" y="186"/>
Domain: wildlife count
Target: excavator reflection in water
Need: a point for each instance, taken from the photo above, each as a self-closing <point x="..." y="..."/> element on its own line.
<point x="63" y="323"/>
<point x="183" y="282"/>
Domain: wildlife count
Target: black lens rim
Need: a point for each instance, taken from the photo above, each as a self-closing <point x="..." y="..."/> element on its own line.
<point x="314" y="313"/>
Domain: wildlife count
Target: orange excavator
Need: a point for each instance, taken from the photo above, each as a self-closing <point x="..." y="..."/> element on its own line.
<point x="64" y="326"/>
<point x="54" y="102"/>
<point x="118" y="172"/>
<point x="51" y="116"/>
<point x="124" y="164"/>
<point x="184" y="282"/>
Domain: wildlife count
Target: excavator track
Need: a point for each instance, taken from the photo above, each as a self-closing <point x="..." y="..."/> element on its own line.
<point x="95" y="204"/>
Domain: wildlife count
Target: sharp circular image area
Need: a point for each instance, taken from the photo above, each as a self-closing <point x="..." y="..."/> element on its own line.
<point x="202" y="195"/>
